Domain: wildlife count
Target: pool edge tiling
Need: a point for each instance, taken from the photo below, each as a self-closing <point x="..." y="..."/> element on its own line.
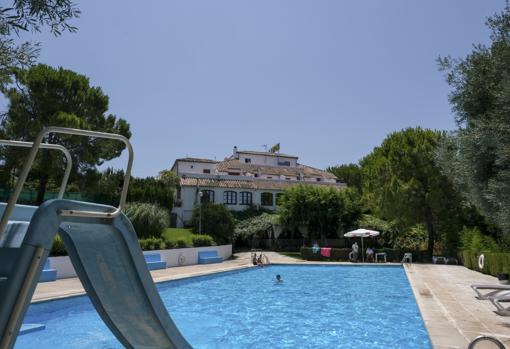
<point x="453" y="316"/>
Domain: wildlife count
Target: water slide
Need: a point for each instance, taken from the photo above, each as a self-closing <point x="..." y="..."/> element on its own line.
<point x="104" y="251"/>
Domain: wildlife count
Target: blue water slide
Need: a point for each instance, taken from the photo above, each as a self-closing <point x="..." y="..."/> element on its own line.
<point x="104" y="250"/>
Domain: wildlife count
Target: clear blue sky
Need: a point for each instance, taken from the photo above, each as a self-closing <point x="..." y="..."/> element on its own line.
<point x="327" y="79"/>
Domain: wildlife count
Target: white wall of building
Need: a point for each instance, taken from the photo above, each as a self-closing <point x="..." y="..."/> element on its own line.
<point x="171" y="257"/>
<point x="189" y="199"/>
<point x="266" y="160"/>
<point x="195" y="167"/>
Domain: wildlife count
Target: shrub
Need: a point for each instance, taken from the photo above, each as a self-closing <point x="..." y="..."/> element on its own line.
<point x="58" y="248"/>
<point x="472" y="239"/>
<point x="181" y="243"/>
<point x="149" y="220"/>
<point x="201" y="240"/>
<point x="217" y="222"/>
<point x="152" y="243"/>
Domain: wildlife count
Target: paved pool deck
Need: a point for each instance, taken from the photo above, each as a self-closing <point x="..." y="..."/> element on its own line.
<point x="452" y="315"/>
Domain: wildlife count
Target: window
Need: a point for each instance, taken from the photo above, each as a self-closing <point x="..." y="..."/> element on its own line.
<point x="206" y="170"/>
<point x="207" y="196"/>
<point x="283" y="163"/>
<point x="245" y="198"/>
<point x="279" y="199"/>
<point x="318" y="179"/>
<point x="266" y="199"/>
<point x="247" y="161"/>
<point x="256" y="175"/>
<point x="233" y="173"/>
<point x="230" y="198"/>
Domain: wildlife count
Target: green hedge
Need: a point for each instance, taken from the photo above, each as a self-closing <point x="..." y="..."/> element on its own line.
<point x="199" y="240"/>
<point x="342" y="254"/>
<point x="495" y="262"/>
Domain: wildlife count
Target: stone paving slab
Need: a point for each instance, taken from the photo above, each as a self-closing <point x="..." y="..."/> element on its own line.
<point x="452" y="315"/>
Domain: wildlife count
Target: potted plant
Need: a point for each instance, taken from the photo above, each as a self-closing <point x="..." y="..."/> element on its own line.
<point x="503" y="278"/>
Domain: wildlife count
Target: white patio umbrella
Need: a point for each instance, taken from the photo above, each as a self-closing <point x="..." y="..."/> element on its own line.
<point x="361" y="233"/>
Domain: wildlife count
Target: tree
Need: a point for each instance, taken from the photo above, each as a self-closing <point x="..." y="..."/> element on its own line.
<point x="349" y="174"/>
<point x="215" y="220"/>
<point x="45" y="96"/>
<point x="29" y="15"/>
<point x="169" y="178"/>
<point x="402" y="182"/>
<point x="323" y="211"/>
<point x="476" y="157"/>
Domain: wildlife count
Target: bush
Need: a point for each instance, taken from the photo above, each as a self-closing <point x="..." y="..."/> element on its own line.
<point x="217" y="222"/>
<point x="152" y="243"/>
<point x="58" y="248"/>
<point x="472" y="239"/>
<point x="148" y="220"/>
<point x="199" y="240"/>
<point x="181" y="243"/>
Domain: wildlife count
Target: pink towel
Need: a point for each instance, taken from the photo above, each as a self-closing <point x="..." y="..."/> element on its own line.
<point x="326" y="252"/>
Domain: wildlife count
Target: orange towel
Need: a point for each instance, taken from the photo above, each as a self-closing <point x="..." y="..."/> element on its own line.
<point x="326" y="252"/>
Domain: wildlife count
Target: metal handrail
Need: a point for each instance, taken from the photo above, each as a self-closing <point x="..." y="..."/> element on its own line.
<point x="69" y="160"/>
<point x="31" y="157"/>
<point x="486" y="338"/>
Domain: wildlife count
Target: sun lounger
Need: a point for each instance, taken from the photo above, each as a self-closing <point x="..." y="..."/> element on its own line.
<point x="497" y="300"/>
<point x="494" y="290"/>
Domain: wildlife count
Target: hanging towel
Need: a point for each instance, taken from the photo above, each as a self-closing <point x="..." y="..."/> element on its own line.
<point x="326" y="252"/>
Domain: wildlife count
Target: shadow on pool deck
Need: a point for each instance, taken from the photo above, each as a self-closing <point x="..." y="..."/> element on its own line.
<point x="451" y="313"/>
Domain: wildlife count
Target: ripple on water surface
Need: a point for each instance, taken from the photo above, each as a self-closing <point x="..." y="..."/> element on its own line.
<point x="353" y="307"/>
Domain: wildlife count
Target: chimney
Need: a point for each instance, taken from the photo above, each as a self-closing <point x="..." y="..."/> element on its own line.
<point x="235" y="151"/>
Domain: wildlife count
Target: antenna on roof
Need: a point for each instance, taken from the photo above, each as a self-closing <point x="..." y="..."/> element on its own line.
<point x="265" y="147"/>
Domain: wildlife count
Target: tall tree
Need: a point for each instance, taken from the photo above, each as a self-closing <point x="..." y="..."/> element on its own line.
<point x="29" y="15"/>
<point x="349" y="174"/>
<point x="324" y="211"/>
<point x="402" y="182"/>
<point x="45" y="96"/>
<point x="477" y="155"/>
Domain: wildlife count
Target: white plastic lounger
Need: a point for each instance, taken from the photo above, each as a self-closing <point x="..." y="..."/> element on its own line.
<point x="501" y="309"/>
<point x="495" y="290"/>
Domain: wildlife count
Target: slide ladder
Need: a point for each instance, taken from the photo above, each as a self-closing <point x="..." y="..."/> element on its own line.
<point x="103" y="248"/>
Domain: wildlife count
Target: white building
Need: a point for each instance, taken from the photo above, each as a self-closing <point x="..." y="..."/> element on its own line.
<point x="247" y="178"/>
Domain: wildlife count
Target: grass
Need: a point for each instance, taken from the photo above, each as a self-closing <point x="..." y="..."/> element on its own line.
<point x="296" y="255"/>
<point x="174" y="234"/>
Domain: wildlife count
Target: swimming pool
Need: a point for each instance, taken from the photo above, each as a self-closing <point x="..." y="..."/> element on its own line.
<point x="315" y="307"/>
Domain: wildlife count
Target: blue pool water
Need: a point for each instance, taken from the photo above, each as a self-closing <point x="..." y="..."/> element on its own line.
<point x="353" y="307"/>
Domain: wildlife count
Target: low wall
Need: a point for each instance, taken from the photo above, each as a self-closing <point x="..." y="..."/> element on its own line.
<point x="171" y="257"/>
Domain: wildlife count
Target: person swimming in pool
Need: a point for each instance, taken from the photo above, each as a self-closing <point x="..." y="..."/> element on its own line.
<point x="278" y="279"/>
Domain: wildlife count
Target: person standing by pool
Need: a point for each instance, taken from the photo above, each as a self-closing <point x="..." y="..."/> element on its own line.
<point x="355" y="250"/>
<point x="316" y="248"/>
<point x="254" y="260"/>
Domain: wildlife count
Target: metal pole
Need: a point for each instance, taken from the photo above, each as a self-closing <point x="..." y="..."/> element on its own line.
<point x="362" y="251"/>
<point x="200" y="195"/>
<point x="200" y="219"/>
